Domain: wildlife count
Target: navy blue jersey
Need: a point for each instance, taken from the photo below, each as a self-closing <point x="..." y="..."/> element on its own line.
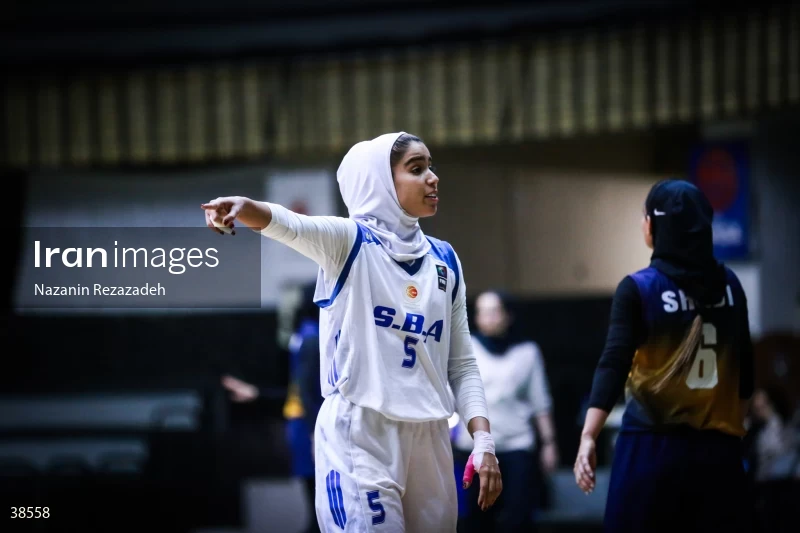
<point x="708" y="396"/>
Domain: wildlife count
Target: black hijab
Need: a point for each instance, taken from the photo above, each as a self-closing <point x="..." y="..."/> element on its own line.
<point x="683" y="248"/>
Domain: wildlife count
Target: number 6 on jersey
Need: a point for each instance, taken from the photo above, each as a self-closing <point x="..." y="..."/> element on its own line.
<point x="703" y="374"/>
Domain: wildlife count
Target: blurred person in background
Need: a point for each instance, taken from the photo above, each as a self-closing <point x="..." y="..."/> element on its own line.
<point x="679" y="343"/>
<point x="520" y="404"/>
<point x="770" y="415"/>
<point x="304" y="397"/>
<point x="774" y="455"/>
<point x="396" y="357"/>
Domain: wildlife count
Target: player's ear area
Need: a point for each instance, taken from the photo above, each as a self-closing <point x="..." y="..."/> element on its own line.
<point x="647" y="230"/>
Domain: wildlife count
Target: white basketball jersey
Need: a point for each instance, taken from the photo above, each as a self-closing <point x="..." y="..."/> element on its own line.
<point x="385" y="330"/>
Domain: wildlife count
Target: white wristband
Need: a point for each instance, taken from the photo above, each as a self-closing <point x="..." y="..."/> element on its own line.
<point x="484" y="443"/>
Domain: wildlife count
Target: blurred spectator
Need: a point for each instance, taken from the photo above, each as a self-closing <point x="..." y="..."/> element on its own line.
<point x="773" y="451"/>
<point x="520" y="407"/>
<point x="305" y="397"/>
<point x="771" y="413"/>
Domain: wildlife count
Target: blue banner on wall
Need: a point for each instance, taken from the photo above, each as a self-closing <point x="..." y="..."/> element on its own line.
<point x="722" y="172"/>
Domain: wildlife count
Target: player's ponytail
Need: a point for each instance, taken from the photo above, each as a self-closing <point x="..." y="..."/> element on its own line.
<point x="683" y="359"/>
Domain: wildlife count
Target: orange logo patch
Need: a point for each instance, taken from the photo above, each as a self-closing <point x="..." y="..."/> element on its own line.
<point x="411" y="291"/>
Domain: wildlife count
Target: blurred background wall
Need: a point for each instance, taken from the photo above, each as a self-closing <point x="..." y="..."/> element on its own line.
<point x="548" y="122"/>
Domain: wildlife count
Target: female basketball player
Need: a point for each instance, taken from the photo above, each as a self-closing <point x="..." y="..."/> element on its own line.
<point x="679" y="336"/>
<point x="393" y="336"/>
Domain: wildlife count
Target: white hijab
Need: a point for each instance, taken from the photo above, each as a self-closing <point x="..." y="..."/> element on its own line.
<point x="365" y="181"/>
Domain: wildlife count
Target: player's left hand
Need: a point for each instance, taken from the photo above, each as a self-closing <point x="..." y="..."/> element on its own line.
<point x="549" y="457"/>
<point x="585" y="465"/>
<point x="490" y="478"/>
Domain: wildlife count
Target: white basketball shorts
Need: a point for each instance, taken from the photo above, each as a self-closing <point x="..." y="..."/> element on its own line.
<point x="375" y="474"/>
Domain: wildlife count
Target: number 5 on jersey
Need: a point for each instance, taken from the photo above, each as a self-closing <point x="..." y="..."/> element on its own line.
<point x="376" y="506"/>
<point x="703" y="374"/>
<point x="411" y="353"/>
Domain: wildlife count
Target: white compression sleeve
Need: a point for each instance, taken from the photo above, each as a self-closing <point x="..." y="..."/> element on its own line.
<point x="325" y="240"/>
<point x="462" y="370"/>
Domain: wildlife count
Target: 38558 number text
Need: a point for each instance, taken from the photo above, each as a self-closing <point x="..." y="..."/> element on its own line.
<point x="30" y="512"/>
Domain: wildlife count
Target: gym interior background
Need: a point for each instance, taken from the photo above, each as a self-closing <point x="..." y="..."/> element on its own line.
<point x="548" y="122"/>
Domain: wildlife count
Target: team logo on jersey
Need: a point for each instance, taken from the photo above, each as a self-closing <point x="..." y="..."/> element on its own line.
<point x="411" y="294"/>
<point x="441" y="270"/>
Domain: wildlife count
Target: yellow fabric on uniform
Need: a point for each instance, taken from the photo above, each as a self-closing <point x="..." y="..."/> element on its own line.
<point x="293" y="407"/>
<point x="716" y="408"/>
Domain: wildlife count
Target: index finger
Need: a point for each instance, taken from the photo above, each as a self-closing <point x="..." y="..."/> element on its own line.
<point x="213" y="204"/>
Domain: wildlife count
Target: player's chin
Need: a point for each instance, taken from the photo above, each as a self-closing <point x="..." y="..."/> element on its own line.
<point x="428" y="208"/>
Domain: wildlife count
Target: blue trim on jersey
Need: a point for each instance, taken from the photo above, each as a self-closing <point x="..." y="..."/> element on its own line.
<point x="367" y="235"/>
<point x="341" y="499"/>
<point x="333" y="374"/>
<point x="335" y="499"/>
<point x="345" y="271"/>
<point x="444" y="252"/>
<point x="411" y="268"/>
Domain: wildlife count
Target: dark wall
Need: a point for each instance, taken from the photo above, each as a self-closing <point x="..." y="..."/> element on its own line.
<point x="777" y="220"/>
<point x="67" y="352"/>
<point x="55" y="33"/>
